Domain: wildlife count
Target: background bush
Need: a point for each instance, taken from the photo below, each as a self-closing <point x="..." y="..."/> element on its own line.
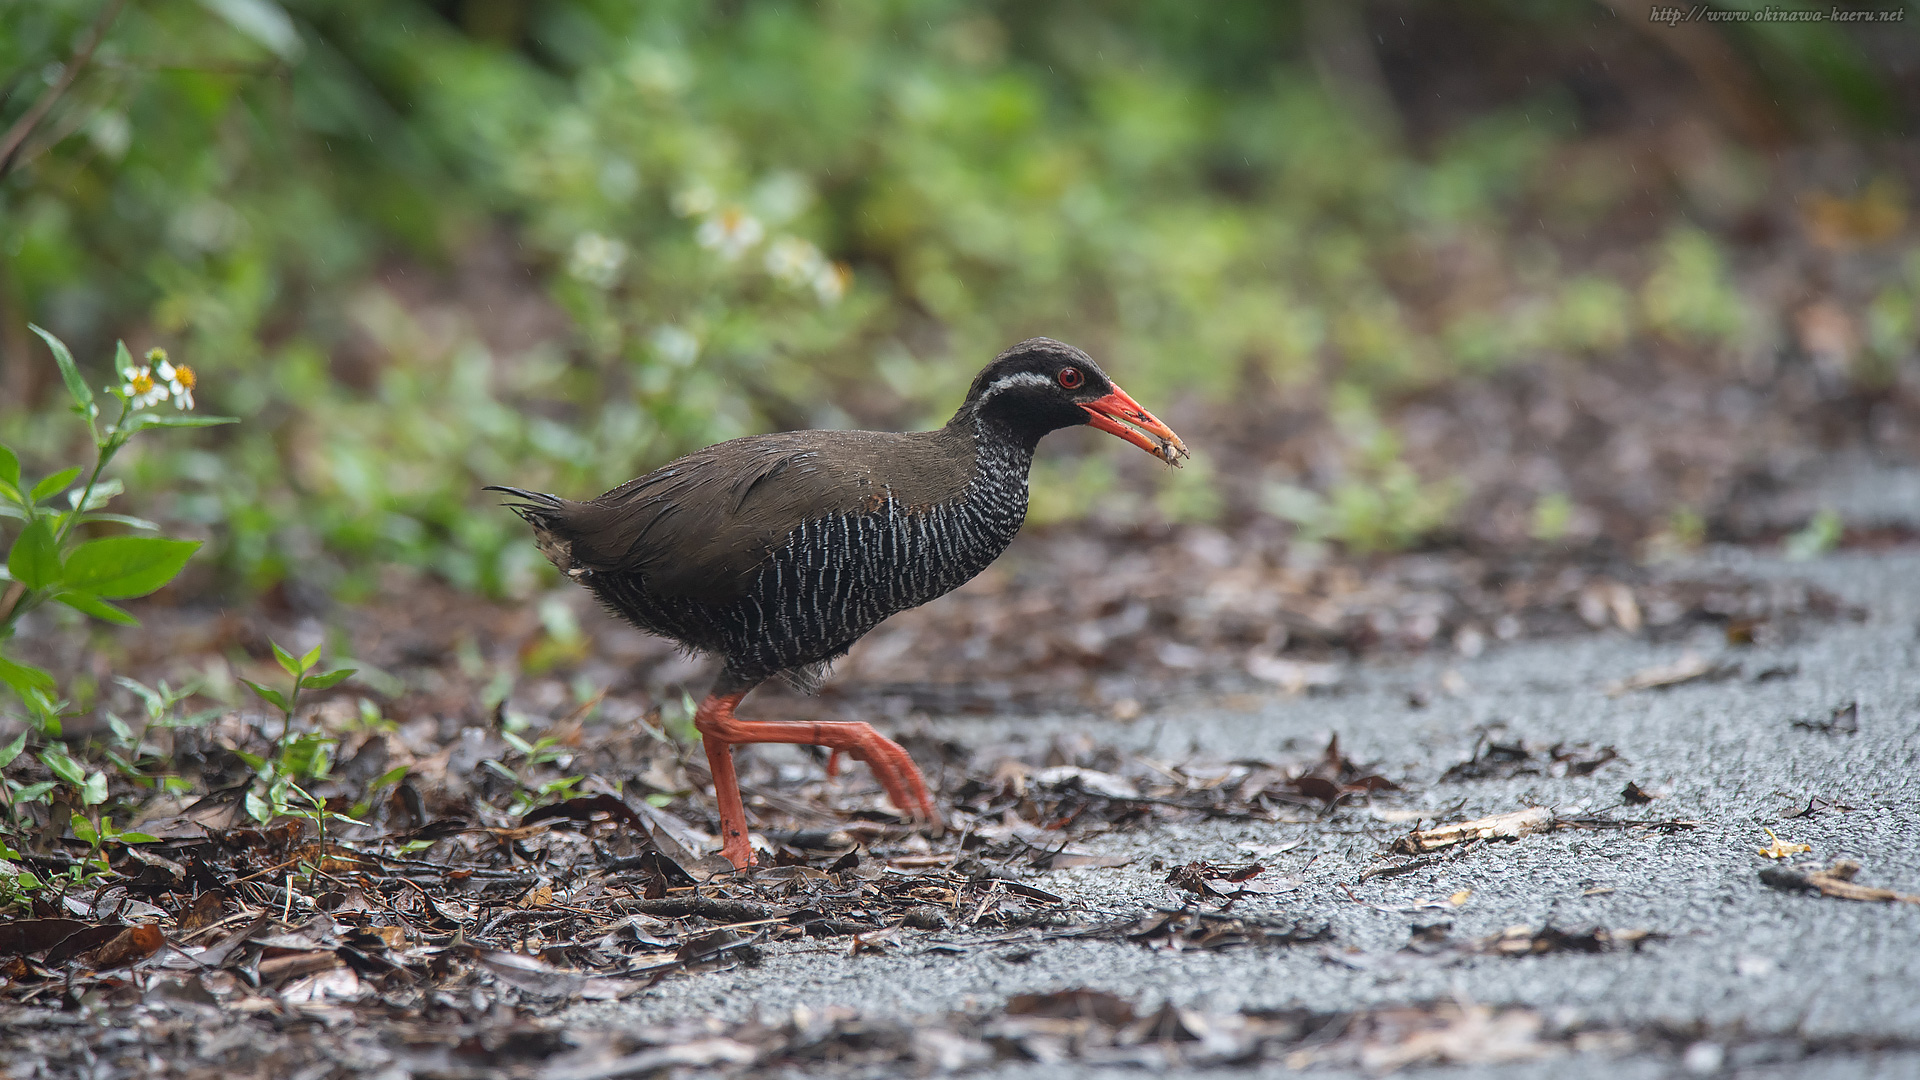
<point x="422" y="246"/>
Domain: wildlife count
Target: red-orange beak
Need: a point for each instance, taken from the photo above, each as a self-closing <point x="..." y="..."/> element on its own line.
<point x="1118" y="414"/>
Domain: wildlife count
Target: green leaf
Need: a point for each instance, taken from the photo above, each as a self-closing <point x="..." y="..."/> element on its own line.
<point x="84" y="830"/>
<point x="88" y="604"/>
<point x="9" y="468"/>
<point x="287" y="663"/>
<point x="254" y="761"/>
<point x="69" y="371"/>
<point x="120" y="519"/>
<point x="308" y="755"/>
<point x="24" y="677"/>
<point x="189" y="720"/>
<point x="102" y="493"/>
<point x="94" y="791"/>
<point x="19" y="743"/>
<point x="331" y="678"/>
<point x="312" y="658"/>
<point x="149" y="697"/>
<point x="257" y="808"/>
<point x="54" y="484"/>
<point x="391" y="776"/>
<point x="266" y="22"/>
<point x="147" y="420"/>
<point x="33" y="792"/>
<point x="268" y="694"/>
<point x="118" y="567"/>
<point x="56" y="759"/>
<point x="35" y="559"/>
<point x="1821" y="535"/>
<point x="136" y="838"/>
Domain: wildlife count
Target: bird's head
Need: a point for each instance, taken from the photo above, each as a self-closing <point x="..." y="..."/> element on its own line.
<point x="1041" y="384"/>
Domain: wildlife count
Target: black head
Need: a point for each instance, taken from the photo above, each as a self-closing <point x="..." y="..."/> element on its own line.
<point x="1038" y="385"/>
<point x="1041" y="384"/>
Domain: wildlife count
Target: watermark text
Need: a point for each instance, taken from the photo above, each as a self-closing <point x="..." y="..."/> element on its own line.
<point x="1674" y="16"/>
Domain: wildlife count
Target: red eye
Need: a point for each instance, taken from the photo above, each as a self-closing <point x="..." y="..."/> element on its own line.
<point x="1071" y="378"/>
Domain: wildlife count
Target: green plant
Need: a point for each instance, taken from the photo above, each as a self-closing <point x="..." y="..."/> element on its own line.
<point x="304" y="678"/>
<point x="533" y="796"/>
<point x="97" y="832"/>
<point x="49" y="559"/>
<point x="127" y="749"/>
<point x="18" y="794"/>
<point x="93" y="828"/>
<point x="528" y="794"/>
<point x="1820" y="535"/>
<point x="308" y="756"/>
<point x="90" y="787"/>
<point x="1552" y="515"/>
<point x="800" y="214"/>
<point x="1380" y="504"/>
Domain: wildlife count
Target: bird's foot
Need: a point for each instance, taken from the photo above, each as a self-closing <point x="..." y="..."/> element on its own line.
<point x="722" y="731"/>
<point x="891" y="765"/>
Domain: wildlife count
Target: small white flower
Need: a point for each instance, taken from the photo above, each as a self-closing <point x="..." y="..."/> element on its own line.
<point x="782" y="197"/>
<point x="830" y="282"/>
<point x="793" y="260"/>
<point x="597" y="259"/>
<point x="695" y="201"/>
<point x="180" y="380"/>
<point x="732" y="232"/>
<point x="676" y="345"/>
<point x="140" y="387"/>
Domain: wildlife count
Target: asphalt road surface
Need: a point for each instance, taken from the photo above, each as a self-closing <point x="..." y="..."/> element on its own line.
<point x="1775" y="983"/>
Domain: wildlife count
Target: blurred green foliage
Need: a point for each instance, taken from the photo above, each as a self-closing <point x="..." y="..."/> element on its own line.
<point x="425" y="246"/>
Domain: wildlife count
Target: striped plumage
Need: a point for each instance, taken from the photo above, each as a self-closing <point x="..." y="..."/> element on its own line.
<point x="837" y="575"/>
<point x="777" y="552"/>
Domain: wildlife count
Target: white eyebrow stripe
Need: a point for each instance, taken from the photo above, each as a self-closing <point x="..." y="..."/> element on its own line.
<point x="1023" y="378"/>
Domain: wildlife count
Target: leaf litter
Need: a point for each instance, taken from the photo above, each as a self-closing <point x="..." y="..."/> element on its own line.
<point x="453" y="938"/>
<point x="473" y="903"/>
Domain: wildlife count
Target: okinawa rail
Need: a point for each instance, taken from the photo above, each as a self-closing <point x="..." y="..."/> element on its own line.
<point x="777" y="552"/>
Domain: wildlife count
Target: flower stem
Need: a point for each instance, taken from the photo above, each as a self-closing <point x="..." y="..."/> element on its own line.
<point x="116" y="438"/>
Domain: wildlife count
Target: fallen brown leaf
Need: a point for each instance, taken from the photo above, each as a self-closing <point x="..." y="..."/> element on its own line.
<point x="1637" y="795"/>
<point x="131" y="945"/>
<point x="1835" y="881"/>
<point x="1519" y="823"/>
<point x="1689" y="668"/>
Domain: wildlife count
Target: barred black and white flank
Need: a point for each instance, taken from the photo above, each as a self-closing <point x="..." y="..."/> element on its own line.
<point x="777" y="552"/>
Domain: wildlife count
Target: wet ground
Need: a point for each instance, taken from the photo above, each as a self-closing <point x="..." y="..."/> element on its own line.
<point x="478" y="931"/>
<point x="1740" y="975"/>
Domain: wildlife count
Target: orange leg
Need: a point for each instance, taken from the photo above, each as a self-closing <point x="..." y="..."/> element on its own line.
<point x="721" y="731"/>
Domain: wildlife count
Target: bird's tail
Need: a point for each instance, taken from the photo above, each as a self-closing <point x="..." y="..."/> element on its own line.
<point x="546" y="513"/>
<point x="535" y="507"/>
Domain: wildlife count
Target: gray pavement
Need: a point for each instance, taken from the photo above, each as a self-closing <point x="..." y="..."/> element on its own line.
<point x="1748" y="966"/>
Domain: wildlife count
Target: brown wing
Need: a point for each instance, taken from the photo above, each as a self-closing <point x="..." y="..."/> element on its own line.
<point x="701" y="526"/>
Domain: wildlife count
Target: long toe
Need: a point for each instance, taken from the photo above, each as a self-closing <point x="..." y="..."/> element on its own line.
<point x="875" y="750"/>
<point x="900" y="777"/>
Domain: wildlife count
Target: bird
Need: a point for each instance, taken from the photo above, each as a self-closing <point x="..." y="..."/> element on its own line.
<point x="776" y="552"/>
